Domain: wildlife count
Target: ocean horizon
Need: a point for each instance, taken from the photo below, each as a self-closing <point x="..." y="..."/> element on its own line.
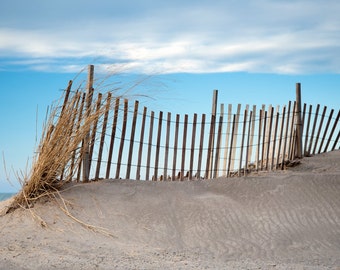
<point x="5" y="196"/>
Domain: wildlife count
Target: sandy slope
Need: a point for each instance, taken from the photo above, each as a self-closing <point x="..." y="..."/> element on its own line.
<point x="279" y="220"/>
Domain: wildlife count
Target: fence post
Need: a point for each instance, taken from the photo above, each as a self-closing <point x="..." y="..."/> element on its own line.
<point x="86" y="147"/>
<point x="210" y="154"/>
<point x="298" y="123"/>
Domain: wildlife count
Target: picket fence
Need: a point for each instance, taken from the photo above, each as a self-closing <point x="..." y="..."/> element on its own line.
<point x="129" y="142"/>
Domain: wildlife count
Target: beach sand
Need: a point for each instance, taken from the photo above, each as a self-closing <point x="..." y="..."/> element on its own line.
<point x="276" y="220"/>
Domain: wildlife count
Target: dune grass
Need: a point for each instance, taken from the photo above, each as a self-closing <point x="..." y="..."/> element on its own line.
<point x="59" y="152"/>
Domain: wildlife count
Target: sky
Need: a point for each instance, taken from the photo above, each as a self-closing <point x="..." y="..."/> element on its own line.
<point x="253" y="52"/>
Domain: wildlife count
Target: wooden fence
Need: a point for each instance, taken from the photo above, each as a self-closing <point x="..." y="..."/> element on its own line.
<point x="130" y="142"/>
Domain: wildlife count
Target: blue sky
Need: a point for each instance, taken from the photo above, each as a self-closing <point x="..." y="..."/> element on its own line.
<point x="253" y="52"/>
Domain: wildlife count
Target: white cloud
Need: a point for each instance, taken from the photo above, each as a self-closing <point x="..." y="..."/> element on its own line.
<point x="201" y="36"/>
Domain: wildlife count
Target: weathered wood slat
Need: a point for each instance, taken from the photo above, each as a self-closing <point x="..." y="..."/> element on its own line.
<point x="319" y="130"/>
<point x="226" y="150"/>
<point x="292" y="135"/>
<point x="325" y="132"/>
<point x="192" y="150"/>
<point x="200" y="154"/>
<point x="248" y="143"/>
<point x="112" y="139"/>
<point x="306" y="153"/>
<point x="132" y="139"/>
<point x="231" y="145"/>
<point x="284" y="153"/>
<point x="332" y="131"/>
<point x="141" y="143"/>
<point x="269" y="136"/>
<point x="103" y="133"/>
<point x="218" y="144"/>
<point x="122" y="139"/>
<point x="258" y="147"/>
<point x="94" y="130"/>
<point x="264" y="139"/>
<point x="235" y="136"/>
<point x="158" y="145"/>
<point x="174" y="161"/>
<point x="78" y="126"/>
<point x="279" y="153"/>
<point x="184" y="145"/>
<point x="252" y="131"/>
<point x="147" y="174"/>
<point x="167" y="140"/>
<point x="274" y="140"/>
<point x="313" y="129"/>
<point x="242" y="141"/>
<point x="210" y="148"/>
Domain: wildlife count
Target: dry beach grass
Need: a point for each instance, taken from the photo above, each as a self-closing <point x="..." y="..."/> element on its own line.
<point x="280" y="220"/>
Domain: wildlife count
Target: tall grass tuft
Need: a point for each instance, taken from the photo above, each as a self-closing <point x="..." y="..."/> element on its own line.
<point x="60" y="150"/>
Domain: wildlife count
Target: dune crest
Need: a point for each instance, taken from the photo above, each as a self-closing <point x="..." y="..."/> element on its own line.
<point x="279" y="220"/>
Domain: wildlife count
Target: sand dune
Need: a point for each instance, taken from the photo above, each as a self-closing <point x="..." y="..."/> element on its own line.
<point x="277" y="220"/>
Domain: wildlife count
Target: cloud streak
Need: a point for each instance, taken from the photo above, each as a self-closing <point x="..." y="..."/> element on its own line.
<point x="195" y="37"/>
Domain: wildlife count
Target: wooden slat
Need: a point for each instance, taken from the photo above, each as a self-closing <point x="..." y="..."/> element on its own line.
<point x="147" y="174"/>
<point x="198" y="173"/>
<point x="158" y="145"/>
<point x="132" y="139"/>
<point x="336" y="142"/>
<point x="184" y="145"/>
<point x="192" y="150"/>
<point x="326" y="130"/>
<point x="313" y="129"/>
<point x="112" y="140"/>
<point x="257" y="160"/>
<point x="94" y="130"/>
<point x="263" y="139"/>
<point x="103" y="132"/>
<point x="265" y="133"/>
<point x="122" y="139"/>
<point x="78" y="126"/>
<point x="210" y="148"/>
<point x="242" y="141"/>
<point x="67" y="94"/>
<point x="218" y="144"/>
<point x="286" y="137"/>
<point x="250" y="133"/>
<point x="291" y="136"/>
<point x="167" y="140"/>
<point x="332" y="131"/>
<point x="274" y="140"/>
<point x="86" y="141"/>
<point x="281" y="137"/>
<point x="270" y="126"/>
<point x="227" y="139"/>
<point x="306" y="152"/>
<point x="303" y="125"/>
<point x="298" y="123"/>
<point x="231" y="145"/>
<point x="320" y="128"/>
<point x="174" y="161"/>
<point x="235" y="136"/>
<point x="74" y="107"/>
<point x="141" y="143"/>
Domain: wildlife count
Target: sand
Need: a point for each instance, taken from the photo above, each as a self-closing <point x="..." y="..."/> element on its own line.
<point x="276" y="220"/>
